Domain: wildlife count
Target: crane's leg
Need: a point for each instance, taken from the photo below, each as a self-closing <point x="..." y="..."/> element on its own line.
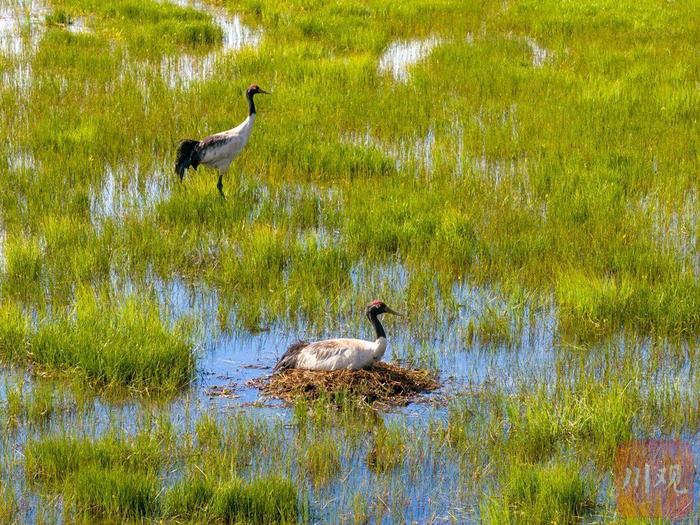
<point x="220" y="185"/>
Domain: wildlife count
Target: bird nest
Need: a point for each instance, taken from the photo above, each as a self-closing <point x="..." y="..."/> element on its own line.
<point x="382" y="384"/>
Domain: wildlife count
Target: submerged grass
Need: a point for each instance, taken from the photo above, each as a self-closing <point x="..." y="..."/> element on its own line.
<point x="117" y="478"/>
<point x="541" y="494"/>
<point x="54" y="459"/>
<point x="126" y="345"/>
<point x="541" y="149"/>
<point x="113" y="494"/>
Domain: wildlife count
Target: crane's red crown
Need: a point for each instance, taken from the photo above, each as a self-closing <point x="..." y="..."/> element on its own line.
<point x="377" y="307"/>
<point x="254" y="89"/>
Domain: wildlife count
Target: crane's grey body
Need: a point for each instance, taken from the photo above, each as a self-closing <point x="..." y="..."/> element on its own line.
<point x="334" y="354"/>
<point x="341" y="353"/>
<point x="218" y="151"/>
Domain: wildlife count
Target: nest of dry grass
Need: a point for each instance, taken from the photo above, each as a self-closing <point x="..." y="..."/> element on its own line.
<point x="384" y="384"/>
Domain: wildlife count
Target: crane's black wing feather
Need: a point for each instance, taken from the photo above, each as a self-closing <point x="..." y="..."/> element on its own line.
<point x="187" y="155"/>
<point x="289" y="359"/>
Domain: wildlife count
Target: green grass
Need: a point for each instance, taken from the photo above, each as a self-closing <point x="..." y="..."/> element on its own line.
<point x="550" y="121"/>
<point x="388" y="449"/>
<point x="149" y="26"/>
<point x="566" y="188"/>
<point x="111" y="478"/>
<point x="601" y="420"/>
<point x="188" y="498"/>
<point x="54" y="459"/>
<point x="114" y="494"/>
<point x="117" y="477"/>
<point x="262" y="501"/>
<point x="14" y="329"/>
<point x="127" y="345"/>
<point x="9" y="509"/>
<point x="322" y="457"/>
<point x="556" y="493"/>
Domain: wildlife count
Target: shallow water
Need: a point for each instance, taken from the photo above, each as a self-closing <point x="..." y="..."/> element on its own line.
<point x="78" y="25"/>
<point x="231" y="357"/>
<point x="21" y="29"/>
<point x="417" y="154"/>
<point x="401" y="55"/>
<point x="21" y="160"/>
<point x="540" y="55"/>
<point x="228" y="358"/>
<point x="183" y="70"/>
<point x="427" y="485"/>
<point x="432" y="487"/>
<point x="415" y="151"/>
<point x="236" y="34"/>
<point x="128" y="190"/>
<point x="675" y="229"/>
<point x="239" y="355"/>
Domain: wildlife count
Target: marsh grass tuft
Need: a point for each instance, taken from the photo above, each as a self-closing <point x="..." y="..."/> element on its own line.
<point x="388" y="448"/>
<point x="595" y="422"/>
<point x="128" y="345"/>
<point x="113" y="494"/>
<point x="188" y="498"/>
<point x="540" y="495"/>
<point x="53" y="459"/>
<point x="209" y="433"/>
<point x="14" y="329"/>
<point x="322" y="458"/>
<point x="263" y="501"/>
<point x="493" y="328"/>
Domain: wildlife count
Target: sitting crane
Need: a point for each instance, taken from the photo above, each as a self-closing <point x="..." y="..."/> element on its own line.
<point x="218" y="150"/>
<point x="340" y="354"/>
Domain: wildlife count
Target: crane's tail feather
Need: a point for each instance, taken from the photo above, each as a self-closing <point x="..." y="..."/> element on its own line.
<point x="187" y="155"/>
<point x="289" y="359"/>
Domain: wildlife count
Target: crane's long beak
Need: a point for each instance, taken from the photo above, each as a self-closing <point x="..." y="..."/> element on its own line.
<point x="263" y="92"/>
<point x="390" y="311"/>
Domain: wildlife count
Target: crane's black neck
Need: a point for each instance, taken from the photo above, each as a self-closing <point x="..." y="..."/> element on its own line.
<point x="251" y="104"/>
<point x="372" y="316"/>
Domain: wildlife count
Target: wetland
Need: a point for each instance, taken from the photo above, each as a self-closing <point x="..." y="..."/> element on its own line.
<point x="519" y="178"/>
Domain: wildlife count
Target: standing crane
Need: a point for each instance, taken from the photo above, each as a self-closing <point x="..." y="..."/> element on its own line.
<point x="218" y="150"/>
<point x="340" y="354"/>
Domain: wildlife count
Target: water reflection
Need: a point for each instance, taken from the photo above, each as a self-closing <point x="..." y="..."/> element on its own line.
<point x="675" y="228"/>
<point x="416" y="151"/>
<point x="183" y="70"/>
<point x="540" y="55"/>
<point x="21" y="28"/>
<point x="21" y="160"/>
<point x="128" y="190"/>
<point x="400" y="55"/>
